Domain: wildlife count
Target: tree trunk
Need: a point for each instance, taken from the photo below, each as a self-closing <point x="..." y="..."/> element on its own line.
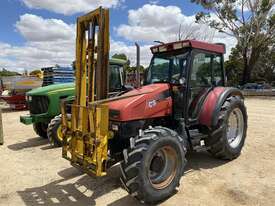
<point x="249" y="63"/>
<point x="246" y="74"/>
<point x="246" y="71"/>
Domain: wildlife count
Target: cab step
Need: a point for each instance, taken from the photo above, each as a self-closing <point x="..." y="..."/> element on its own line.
<point x="197" y="140"/>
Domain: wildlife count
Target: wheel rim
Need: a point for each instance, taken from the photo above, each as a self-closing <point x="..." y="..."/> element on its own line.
<point x="235" y="128"/>
<point x="163" y="167"/>
<point x="59" y="133"/>
<point x="61" y="130"/>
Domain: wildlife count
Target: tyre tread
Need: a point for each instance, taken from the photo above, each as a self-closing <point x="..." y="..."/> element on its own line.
<point x="216" y="141"/>
<point x="131" y="169"/>
<point x="51" y="131"/>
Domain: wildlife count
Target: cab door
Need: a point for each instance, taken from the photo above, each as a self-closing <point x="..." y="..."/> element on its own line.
<point x="205" y="74"/>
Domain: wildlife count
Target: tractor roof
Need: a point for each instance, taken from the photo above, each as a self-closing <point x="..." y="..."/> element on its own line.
<point x="217" y="48"/>
<point x="117" y="61"/>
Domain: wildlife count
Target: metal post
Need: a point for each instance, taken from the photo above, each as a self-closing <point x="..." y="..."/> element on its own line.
<point x="1" y="129"/>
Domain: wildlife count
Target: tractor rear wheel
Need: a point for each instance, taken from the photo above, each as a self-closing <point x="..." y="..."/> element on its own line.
<point x="228" y="138"/>
<point x="154" y="164"/>
<point x="40" y="129"/>
<point x="54" y="131"/>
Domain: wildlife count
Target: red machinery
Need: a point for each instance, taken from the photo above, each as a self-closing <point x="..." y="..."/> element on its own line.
<point x="14" y="89"/>
<point x="16" y="101"/>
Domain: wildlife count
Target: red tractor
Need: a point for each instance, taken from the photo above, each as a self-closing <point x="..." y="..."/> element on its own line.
<point x="183" y="105"/>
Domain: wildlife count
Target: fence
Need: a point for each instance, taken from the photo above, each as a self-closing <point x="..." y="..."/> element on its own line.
<point x="258" y="92"/>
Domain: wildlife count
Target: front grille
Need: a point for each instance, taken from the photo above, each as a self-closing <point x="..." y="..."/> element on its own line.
<point x="38" y="104"/>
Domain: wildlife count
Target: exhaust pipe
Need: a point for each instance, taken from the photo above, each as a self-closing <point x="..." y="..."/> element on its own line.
<point x="138" y="66"/>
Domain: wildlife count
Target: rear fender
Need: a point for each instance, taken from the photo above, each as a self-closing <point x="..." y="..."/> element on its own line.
<point x="213" y="103"/>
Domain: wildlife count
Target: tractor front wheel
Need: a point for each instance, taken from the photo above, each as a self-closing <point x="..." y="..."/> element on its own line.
<point x="54" y="131"/>
<point x="40" y="129"/>
<point x="154" y="164"/>
<point x="228" y="137"/>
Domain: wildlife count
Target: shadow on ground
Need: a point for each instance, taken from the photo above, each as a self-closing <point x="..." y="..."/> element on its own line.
<point x="48" y="147"/>
<point x="85" y="189"/>
<point x="33" y="142"/>
<point x="202" y="160"/>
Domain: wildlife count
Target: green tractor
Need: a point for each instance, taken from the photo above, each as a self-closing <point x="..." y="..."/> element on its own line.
<point x="44" y="102"/>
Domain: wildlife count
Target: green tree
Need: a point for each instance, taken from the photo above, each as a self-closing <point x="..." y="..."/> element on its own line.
<point x="36" y="72"/>
<point x="6" y="72"/>
<point x="128" y="68"/>
<point x="264" y="69"/>
<point x="265" y="66"/>
<point x="251" y="22"/>
<point x="132" y="69"/>
<point x="123" y="57"/>
<point x="234" y="67"/>
<point x="120" y="56"/>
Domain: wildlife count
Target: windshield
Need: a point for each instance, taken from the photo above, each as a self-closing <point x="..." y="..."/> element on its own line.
<point x="115" y="78"/>
<point x="167" y="68"/>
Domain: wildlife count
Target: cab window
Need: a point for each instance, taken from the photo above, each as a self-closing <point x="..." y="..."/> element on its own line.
<point x="217" y="71"/>
<point x="114" y="77"/>
<point x="201" y="71"/>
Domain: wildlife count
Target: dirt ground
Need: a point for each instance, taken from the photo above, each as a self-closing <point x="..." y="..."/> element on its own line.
<point x="33" y="173"/>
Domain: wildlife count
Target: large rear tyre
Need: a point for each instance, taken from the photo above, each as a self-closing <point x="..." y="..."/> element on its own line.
<point x="40" y="129"/>
<point x="54" y="131"/>
<point x="227" y="140"/>
<point x="154" y="164"/>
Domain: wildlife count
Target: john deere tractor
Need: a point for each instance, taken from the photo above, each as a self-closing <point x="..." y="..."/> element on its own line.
<point x="183" y="105"/>
<point x="44" y="102"/>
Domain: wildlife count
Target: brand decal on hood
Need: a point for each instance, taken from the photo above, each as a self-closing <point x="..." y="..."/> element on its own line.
<point x="160" y="97"/>
<point x="152" y="103"/>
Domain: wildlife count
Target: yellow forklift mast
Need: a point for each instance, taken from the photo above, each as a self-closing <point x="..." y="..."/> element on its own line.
<point x="85" y="142"/>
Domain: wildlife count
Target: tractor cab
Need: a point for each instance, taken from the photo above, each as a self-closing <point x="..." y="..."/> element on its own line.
<point x="177" y="83"/>
<point x="192" y="69"/>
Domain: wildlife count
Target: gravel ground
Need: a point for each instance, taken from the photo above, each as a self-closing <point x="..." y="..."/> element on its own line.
<point x="33" y="173"/>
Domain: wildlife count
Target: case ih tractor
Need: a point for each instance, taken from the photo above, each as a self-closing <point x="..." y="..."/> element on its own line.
<point x="183" y="105"/>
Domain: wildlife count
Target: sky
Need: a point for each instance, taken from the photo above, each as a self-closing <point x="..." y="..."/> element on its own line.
<point x="41" y="33"/>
